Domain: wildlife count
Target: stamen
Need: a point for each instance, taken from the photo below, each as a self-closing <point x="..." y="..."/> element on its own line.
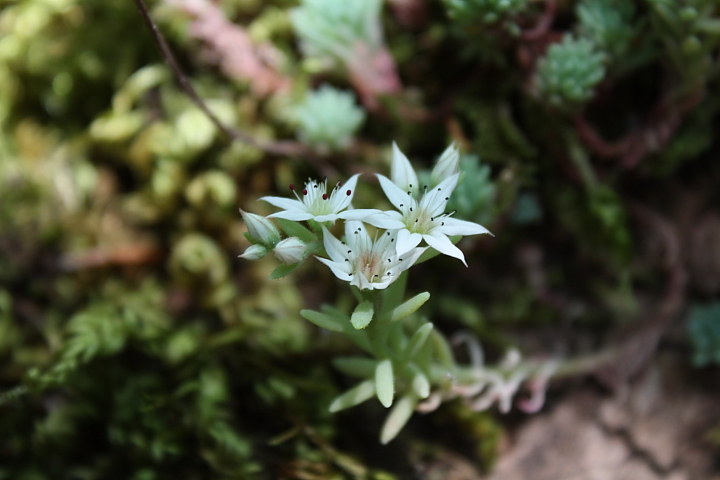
<point x="348" y="193"/>
<point x="402" y="204"/>
<point x="305" y="191"/>
<point x="447" y="198"/>
<point x="292" y="187"/>
<point x="410" y="185"/>
<point x="324" y="197"/>
<point x="439" y="189"/>
<point x="315" y="186"/>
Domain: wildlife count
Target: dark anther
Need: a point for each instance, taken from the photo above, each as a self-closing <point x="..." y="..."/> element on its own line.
<point x="305" y="191"/>
<point x="348" y="192"/>
<point x="325" y="197"/>
<point x="292" y="186"/>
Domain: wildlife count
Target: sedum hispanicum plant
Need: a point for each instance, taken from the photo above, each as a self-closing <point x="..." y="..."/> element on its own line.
<point x="569" y="72"/>
<point x="328" y="118"/>
<point x="609" y="24"/>
<point x="407" y="364"/>
<point x="332" y="29"/>
<point x="348" y="34"/>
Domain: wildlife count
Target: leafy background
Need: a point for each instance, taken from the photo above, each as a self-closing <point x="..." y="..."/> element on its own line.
<point x="134" y="344"/>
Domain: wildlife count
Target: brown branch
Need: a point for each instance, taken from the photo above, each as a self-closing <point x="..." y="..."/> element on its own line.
<point x="289" y="148"/>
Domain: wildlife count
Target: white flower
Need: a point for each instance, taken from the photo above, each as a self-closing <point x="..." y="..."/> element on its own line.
<point x="316" y="203"/>
<point x="365" y="263"/>
<point x="422" y="219"/>
<point x="290" y="251"/>
<point x="260" y="228"/>
<point x="254" y="252"/>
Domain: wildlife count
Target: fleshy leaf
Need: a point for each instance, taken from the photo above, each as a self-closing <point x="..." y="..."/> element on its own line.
<point x="385" y="382"/>
<point x="419" y="339"/>
<point x="398" y="417"/>
<point x="356" y="366"/>
<point x="362" y="316"/>
<point x="355" y="396"/>
<point x="410" y="306"/>
<point x="283" y="270"/>
<point x="322" y="320"/>
<point x="421" y="385"/>
<point x="294" y="229"/>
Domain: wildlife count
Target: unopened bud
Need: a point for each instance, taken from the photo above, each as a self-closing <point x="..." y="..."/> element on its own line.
<point x="254" y="252"/>
<point x="261" y="229"/>
<point x="290" y="251"/>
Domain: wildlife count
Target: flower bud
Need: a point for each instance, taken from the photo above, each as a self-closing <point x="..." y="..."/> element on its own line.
<point x="291" y="250"/>
<point x="261" y="229"/>
<point x="448" y="164"/>
<point x="254" y="252"/>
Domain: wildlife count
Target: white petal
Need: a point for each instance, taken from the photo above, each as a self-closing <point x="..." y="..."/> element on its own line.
<point x="330" y="217"/>
<point x="448" y="164"/>
<point x="341" y="271"/>
<point x="453" y="226"/>
<point x="359" y="214"/>
<point x="442" y="244"/>
<point x="435" y="200"/>
<point x="345" y="199"/>
<point x="407" y="241"/>
<point x="334" y="247"/>
<point x="409" y="258"/>
<point x="387" y="220"/>
<point x="395" y="194"/>
<point x="402" y="172"/>
<point x="294" y="215"/>
<point x="284" y="203"/>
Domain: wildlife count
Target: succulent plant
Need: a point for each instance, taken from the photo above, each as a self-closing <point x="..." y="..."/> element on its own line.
<point x="569" y="72"/>
<point x="328" y="118"/>
<point x="608" y="23"/>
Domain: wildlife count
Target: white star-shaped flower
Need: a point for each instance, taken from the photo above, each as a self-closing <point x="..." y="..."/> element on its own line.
<point x="315" y="202"/>
<point x="423" y="219"/>
<point x="365" y="263"/>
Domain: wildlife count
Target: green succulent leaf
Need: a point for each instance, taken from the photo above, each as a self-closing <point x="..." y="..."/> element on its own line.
<point x="398" y="417"/>
<point x="355" y="396"/>
<point x="363" y="315"/>
<point x="323" y="320"/>
<point x="410" y="306"/>
<point x="385" y="382"/>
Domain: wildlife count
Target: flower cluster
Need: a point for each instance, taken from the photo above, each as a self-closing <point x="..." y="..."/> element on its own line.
<point x="365" y="262"/>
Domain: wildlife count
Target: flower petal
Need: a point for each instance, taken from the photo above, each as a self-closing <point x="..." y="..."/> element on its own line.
<point x="345" y="199"/>
<point x="401" y="171"/>
<point x="285" y="203"/>
<point x="453" y="226"/>
<point x="334" y="247"/>
<point x="395" y="194"/>
<point x="407" y="241"/>
<point x="339" y="270"/>
<point x="448" y="164"/>
<point x="442" y="244"/>
<point x="391" y="220"/>
<point x="294" y="215"/>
